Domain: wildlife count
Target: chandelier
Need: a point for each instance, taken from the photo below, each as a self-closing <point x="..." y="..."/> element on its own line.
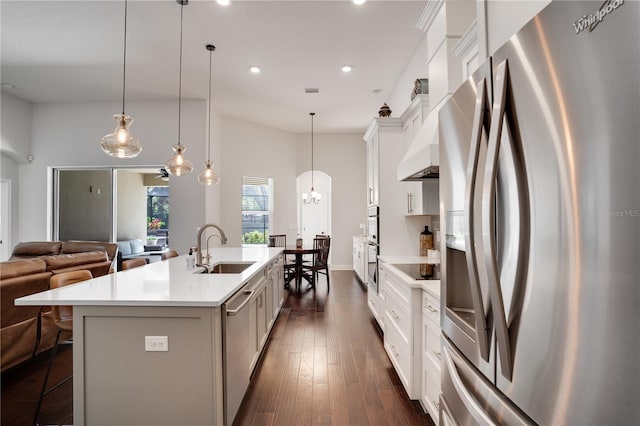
<point x="315" y="196"/>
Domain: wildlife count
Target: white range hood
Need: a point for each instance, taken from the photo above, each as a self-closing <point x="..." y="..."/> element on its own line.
<point x="421" y="160"/>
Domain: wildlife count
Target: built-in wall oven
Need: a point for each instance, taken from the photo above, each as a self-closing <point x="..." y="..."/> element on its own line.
<point x="373" y="247"/>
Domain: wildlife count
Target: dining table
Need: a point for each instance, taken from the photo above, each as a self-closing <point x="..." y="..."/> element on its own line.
<point x="298" y="271"/>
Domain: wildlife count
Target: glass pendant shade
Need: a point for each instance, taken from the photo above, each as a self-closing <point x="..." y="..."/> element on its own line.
<point x="178" y="165"/>
<point x="208" y="176"/>
<point x="120" y="143"/>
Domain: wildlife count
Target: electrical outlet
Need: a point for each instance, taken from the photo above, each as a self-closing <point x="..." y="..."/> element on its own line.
<point x="156" y="343"/>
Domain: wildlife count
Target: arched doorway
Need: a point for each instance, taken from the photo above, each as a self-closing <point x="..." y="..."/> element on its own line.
<point x="314" y="218"/>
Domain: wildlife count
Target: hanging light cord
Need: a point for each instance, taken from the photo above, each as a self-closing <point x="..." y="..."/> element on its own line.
<point x="312" y="114"/>
<point x="180" y="73"/>
<point x="209" y="135"/>
<point x="124" y="59"/>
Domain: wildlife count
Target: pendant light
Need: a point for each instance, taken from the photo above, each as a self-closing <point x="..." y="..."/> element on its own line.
<point x="120" y="143"/>
<point x="208" y="176"/>
<point x="315" y="196"/>
<point x="178" y="165"/>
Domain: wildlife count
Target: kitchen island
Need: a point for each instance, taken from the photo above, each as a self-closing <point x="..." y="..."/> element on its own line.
<point x="149" y="343"/>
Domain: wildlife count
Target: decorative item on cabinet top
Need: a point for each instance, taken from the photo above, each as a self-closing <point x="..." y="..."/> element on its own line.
<point x="384" y="111"/>
<point x="420" y="87"/>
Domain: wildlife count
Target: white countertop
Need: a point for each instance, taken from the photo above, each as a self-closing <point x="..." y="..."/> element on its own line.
<point x="165" y="283"/>
<point x="432" y="286"/>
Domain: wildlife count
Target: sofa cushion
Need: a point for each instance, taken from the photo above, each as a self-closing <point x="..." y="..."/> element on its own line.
<point x="82" y="246"/>
<point x="124" y="247"/>
<point x="97" y="269"/>
<point x="74" y="259"/>
<point x="137" y="246"/>
<point x="13" y="288"/>
<point x="18" y="342"/>
<point x="21" y="267"/>
<point x="36" y="248"/>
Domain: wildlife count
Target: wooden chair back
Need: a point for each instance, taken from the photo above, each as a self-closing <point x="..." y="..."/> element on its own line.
<point x="322" y="244"/>
<point x="64" y="314"/>
<point x="278" y="240"/>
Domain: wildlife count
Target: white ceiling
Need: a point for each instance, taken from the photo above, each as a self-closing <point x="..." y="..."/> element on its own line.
<point x="71" y="51"/>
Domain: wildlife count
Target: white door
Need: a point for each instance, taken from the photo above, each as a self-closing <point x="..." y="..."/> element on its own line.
<point x="5" y="219"/>
<point x="314" y="218"/>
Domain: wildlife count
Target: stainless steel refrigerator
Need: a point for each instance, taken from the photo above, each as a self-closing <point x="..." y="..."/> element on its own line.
<point x="539" y="184"/>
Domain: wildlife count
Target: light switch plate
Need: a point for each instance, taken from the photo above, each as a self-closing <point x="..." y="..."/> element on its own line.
<point x="156" y="343"/>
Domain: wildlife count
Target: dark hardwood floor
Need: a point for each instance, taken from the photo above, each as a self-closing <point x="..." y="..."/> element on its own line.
<point x="324" y="364"/>
<point x="21" y="388"/>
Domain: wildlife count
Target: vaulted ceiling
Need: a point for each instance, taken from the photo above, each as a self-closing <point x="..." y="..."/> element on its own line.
<point x="72" y="51"/>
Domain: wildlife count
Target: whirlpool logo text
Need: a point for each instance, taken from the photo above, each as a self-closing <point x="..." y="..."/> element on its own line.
<point x="590" y="22"/>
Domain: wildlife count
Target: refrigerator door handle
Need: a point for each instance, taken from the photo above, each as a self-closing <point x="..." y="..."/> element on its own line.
<point x="480" y="121"/>
<point x="476" y="411"/>
<point x="503" y="105"/>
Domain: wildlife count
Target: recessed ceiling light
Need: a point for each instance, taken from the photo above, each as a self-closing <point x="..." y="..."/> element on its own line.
<point x="254" y="69"/>
<point x="223" y="2"/>
<point x="8" y="86"/>
<point x="347" y="68"/>
<point x="359" y="2"/>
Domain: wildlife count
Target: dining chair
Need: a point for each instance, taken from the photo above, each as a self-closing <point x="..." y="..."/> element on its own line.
<point x="133" y="263"/>
<point x="320" y="263"/>
<point x="169" y="255"/>
<point x="277" y="240"/>
<point x="63" y="320"/>
<point x="280" y="240"/>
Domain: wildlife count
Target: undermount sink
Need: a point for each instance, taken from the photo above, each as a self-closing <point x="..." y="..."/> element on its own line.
<point x="225" y="268"/>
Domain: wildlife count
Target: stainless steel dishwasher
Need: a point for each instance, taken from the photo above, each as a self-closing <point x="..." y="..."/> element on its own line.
<point x="239" y="344"/>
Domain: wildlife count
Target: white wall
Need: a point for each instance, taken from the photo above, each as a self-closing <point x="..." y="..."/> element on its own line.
<point x="15" y="146"/>
<point x="9" y="171"/>
<point x="250" y="149"/>
<point x="213" y="194"/>
<point x="16" y="128"/>
<point x="69" y="135"/>
<point x="343" y="157"/>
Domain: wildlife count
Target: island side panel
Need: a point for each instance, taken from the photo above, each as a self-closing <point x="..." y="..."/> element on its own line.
<point x="117" y="382"/>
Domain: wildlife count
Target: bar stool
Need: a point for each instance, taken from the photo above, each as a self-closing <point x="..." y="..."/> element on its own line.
<point x="169" y="255"/>
<point x="63" y="319"/>
<point x="133" y="263"/>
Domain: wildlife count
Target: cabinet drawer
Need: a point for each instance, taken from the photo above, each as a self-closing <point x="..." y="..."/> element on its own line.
<point x="434" y="345"/>
<point x="433" y="397"/>
<point x="431" y="307"/>
<point x="398" y="351"/>
<point x="399" y="315"/>
<point x="398" y="286"/>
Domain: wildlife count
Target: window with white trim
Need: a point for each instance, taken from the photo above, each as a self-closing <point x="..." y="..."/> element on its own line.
<point x="257" y="209"/>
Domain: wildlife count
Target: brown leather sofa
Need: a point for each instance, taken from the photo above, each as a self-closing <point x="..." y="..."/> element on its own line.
<point x="26" y="331"/>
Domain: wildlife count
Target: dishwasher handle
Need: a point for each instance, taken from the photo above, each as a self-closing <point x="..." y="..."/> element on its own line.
<point x="234" y="312"/>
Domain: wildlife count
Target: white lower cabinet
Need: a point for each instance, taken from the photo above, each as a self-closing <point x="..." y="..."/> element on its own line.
<point x="265" y="306"/>
<point x="359" y="258"/>
<point x="402" y="334"/>
<point x="412" y="335"/>
<point x="376" y="301"/>
<point x="431" y="355"/>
